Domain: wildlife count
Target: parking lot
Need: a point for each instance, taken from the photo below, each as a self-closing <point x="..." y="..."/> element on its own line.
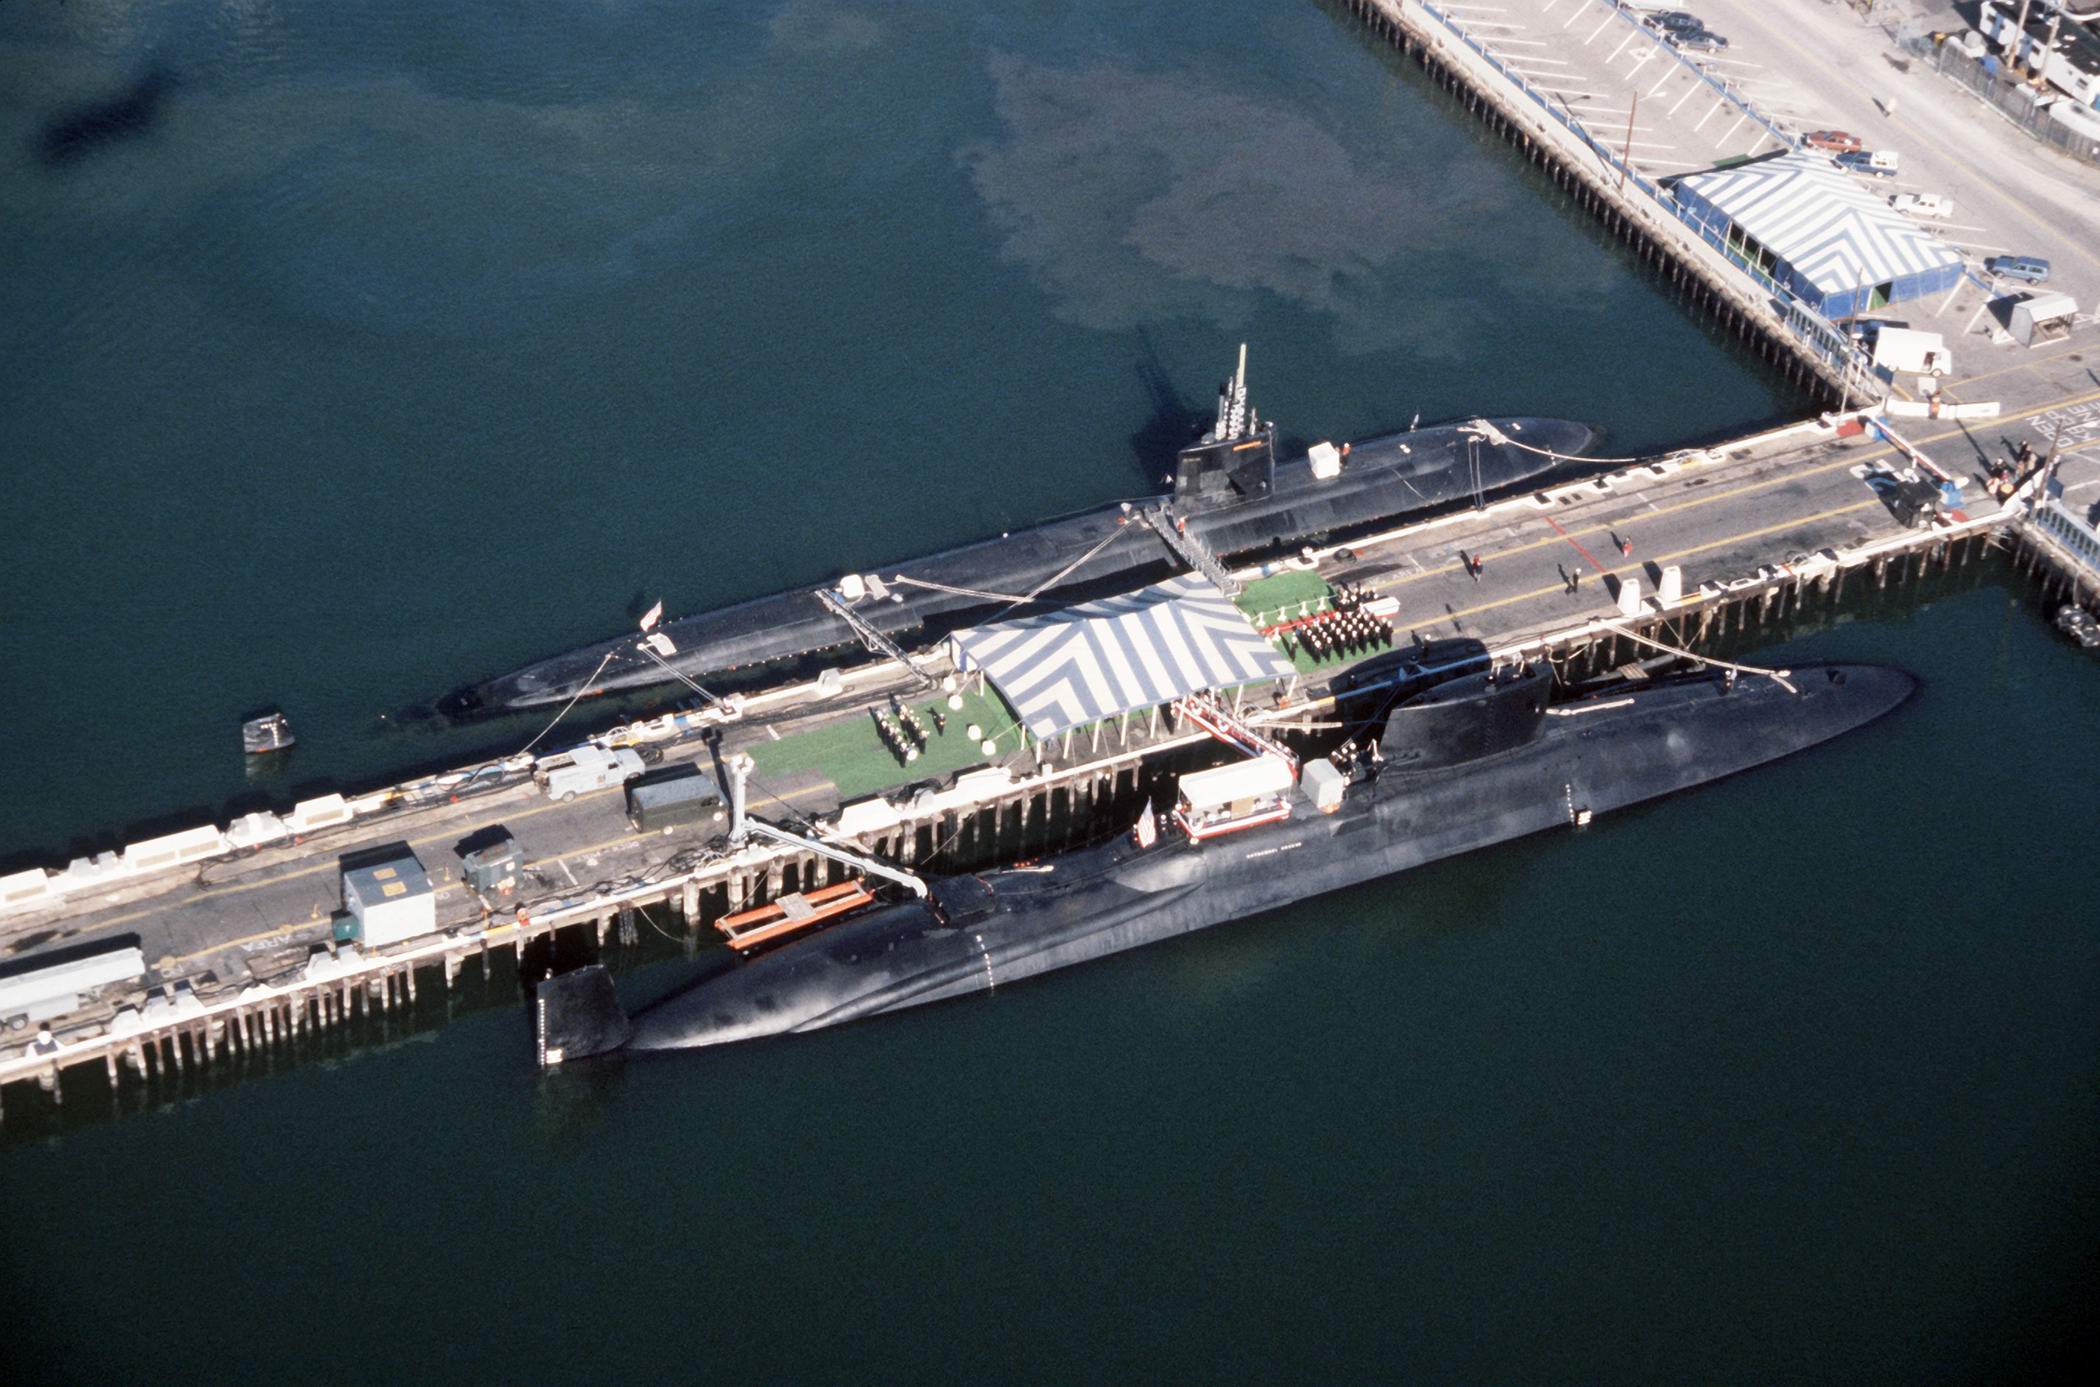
<point x="1789" y="67"/>
<point x="1818" y="65"/>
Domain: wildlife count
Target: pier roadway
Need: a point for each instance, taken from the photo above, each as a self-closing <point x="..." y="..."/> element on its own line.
<point x="1801" y="497"/>
<point x="229" y="921"/>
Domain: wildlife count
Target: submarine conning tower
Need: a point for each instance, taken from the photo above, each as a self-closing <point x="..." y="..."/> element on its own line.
<point x="1466" y="718"/>
<point x="1236" y="459"/>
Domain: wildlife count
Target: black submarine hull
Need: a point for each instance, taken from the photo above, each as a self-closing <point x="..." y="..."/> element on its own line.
<point x="1385" y="478"/>
<point x="1521" y="768"/>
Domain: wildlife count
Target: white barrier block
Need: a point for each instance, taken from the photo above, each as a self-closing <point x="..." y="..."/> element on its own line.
<point x="874" y="815"/>
<point x="1672" y="589"/>
<point x="20" y="888"/>
<point x="254" y="830"/>
<point x="1629" y="597"/>
<point x="310" y="814"/>
<point x="190" y="845"/>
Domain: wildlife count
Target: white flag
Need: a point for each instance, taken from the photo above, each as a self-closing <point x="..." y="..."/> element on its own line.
<point x="653" y="615"/>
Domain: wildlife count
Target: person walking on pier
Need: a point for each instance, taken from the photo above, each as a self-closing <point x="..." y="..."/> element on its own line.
<point x="1625" y="544"/>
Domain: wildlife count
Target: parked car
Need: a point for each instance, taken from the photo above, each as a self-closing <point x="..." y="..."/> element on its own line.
<point x="1702" y="40"/>
<point x="2031" y="269"/>
<point x="1671" y="21"/>
<point x="1875" y="163"/>
<point x="1923" y="204"/>
<point x="1836" y="141"/>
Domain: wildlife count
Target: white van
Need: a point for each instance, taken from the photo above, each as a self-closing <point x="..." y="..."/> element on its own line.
<point x="585" y="768"/>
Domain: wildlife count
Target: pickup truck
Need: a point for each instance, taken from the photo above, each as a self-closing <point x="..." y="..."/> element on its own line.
<point x="1923" y="204"/>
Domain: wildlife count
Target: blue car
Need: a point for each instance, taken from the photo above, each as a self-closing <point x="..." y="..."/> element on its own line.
<point x="2031" y="269"/>
<point x="1874" y="163"/>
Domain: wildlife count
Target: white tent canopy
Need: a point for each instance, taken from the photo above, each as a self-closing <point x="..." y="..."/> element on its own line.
<point x="1835" y="236"/>
<point x="1068" y="668"/>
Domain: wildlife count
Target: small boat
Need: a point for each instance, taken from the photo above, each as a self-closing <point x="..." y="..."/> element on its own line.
<point x="268" y="733"/>
<point x="2079" y="624"/>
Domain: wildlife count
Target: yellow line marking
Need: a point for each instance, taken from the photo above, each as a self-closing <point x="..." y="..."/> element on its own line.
<point x="2070" y="347"/>
<point x="1706" y="499"/>
<point x="1536" y="593"/>
<point x="1848" y="460"/>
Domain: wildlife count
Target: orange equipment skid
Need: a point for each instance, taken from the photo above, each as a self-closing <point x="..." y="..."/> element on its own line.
<point x="747" y="929"/>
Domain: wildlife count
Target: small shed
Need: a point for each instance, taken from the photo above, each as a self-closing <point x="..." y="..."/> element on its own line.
<point x="492" y="862"/>
<point x="388" y="894"/>
<point x="1237" y="784"/>
<point x="2040" y="318"/>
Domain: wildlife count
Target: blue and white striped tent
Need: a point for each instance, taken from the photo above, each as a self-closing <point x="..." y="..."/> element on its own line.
<point x="1839" y="247"/>
<point x="1069" y="668"/>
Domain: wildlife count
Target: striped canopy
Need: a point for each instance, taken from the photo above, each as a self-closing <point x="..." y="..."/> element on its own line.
<point x="1835" y="240"/>
<point x="1072" y="667"/>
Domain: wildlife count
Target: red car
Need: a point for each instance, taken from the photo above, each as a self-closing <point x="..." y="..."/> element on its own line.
<point x="1836" y="141"/>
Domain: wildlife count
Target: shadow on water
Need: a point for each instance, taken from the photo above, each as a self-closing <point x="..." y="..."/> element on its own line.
<point x="73" y="136"/>
<point x="1171" y="426"/>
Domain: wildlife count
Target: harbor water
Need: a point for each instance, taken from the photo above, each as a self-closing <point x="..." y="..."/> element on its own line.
<point x="356" y="349"/>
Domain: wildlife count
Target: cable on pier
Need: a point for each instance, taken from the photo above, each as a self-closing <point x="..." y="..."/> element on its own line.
<point x="929" y="584"/>
<point x="1065" y="572"/>
<point x="570" y="704"/>
<point x="1777" y="676"/>
<point x="1483" y="430"/>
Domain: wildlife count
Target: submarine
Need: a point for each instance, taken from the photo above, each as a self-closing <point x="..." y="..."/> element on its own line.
<point x="1463" y="761"/>
<point x="1230" y="500"/>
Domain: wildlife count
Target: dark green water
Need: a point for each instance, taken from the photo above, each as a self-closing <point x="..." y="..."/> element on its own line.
<point x="407" y="342"/>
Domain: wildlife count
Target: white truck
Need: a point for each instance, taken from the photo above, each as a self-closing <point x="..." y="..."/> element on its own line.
<point x="568" y="774"/>
<point x="1936" y="205"/>
<point x="1907" y="349"/>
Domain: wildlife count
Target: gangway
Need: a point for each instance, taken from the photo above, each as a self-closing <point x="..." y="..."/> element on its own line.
<point x="872" y="638"/>
<point x="1190" y="549"/>
<point x="1228" y="727"/>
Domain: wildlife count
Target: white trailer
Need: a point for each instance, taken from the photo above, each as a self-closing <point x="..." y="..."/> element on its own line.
<point x="1907" y="349"/>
